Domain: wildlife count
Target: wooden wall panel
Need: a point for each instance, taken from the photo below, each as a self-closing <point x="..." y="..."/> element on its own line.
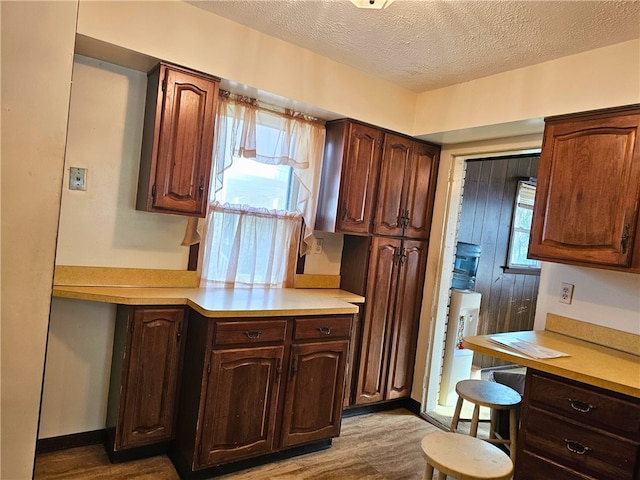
<point x="508" y="300"/>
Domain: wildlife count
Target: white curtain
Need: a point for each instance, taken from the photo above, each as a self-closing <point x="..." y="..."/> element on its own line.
<point x="248" y="246"/>
<point x="251" y="246"/>
<point x="245" y="129"/>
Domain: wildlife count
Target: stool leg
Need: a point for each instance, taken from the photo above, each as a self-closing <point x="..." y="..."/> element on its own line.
<point x="442" y="476"/>
<point x="428" y="473"/>
<point x="513" y="433"/>
<point x="492" y="428"/>
<point x="456" y="415"/>
<point x="474" y="421"/>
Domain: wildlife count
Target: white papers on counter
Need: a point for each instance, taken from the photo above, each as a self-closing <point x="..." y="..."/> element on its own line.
<point x="527" y="348"/>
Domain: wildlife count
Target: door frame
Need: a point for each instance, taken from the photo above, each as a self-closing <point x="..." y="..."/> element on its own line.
<point x="439" y="271"/>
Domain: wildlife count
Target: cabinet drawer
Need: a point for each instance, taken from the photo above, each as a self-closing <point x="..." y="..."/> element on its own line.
<point x="585" y="405"/>
<point x="580" y="448"/>
<point x="234" y="333"/>
<point x="533" y="467"/>
<point x="322" y="327"/>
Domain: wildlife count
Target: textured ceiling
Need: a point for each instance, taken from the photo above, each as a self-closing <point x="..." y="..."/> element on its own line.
<point x="427" y="44"/>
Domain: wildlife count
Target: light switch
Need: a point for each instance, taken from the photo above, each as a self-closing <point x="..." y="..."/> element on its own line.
<point x="77" y="178"/>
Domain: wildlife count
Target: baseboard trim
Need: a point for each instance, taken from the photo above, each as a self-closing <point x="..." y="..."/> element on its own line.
<point x="186" y="474"/>
<point x="407" y="403"/>
<point x="82" y="439"/>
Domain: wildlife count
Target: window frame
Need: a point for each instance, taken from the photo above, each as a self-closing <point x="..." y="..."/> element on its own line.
<point x="509" y="266"/>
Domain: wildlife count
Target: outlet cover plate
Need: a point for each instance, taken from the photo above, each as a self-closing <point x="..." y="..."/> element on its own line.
<point x="566" y="293"/>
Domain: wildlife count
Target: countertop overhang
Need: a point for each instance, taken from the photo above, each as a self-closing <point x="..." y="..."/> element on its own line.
<point x="224" y="302"/>
<point x="587" y="362"/>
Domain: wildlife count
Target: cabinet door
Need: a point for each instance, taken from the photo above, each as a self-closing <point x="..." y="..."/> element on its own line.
<point x="359" y="179"/>
<point x="150" y="378"/>
<point x="381" y="297"/>
<point x="586" y="207"/>
<point x="395" y="172"/>
<point x="421" y="190"/>
<point x="315" y="389"/>
<point x="404" y="332"/>
<point x="240" y="404"/>
<point x="182" y="142"/>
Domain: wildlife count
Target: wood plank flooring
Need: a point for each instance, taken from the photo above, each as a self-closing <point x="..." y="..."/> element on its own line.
<point x="377" y="446"/>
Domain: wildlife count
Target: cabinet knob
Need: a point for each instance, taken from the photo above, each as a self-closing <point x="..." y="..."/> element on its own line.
<point x="576" y="447"/>
<point x="580" y="406"/>
<point x="201" y="187"/>
<point x="344" y="211"/>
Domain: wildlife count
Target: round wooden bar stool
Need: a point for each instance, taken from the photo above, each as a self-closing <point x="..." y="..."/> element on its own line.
<point x="464" y="458"/>
<point x="495" y="396"/>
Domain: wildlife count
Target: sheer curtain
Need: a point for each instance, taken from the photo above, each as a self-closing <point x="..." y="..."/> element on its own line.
<point x="255" y="246"/>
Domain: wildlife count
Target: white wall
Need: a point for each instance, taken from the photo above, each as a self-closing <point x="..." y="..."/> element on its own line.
<point x="327" y="262"/>
<point x="100" y="227"/>
<point x="181" y="33"/>
<point x="78" y="367"/>
<point x="599" y="78"/>
<point x="37" y="56"/>
<point x="606" y="298"/>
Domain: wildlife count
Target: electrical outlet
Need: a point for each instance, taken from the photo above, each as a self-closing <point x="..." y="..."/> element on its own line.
<point x="317" y="247"/>
<point x="77" y="178"/>
<point x="566" y="293"/>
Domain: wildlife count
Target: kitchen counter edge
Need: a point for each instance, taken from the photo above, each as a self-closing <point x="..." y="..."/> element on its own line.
<point x="587" y="362"/>
<point x="224" y="302"/>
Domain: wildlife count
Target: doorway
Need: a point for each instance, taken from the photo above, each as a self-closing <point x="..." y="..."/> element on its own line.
<point x="481" y="196"/>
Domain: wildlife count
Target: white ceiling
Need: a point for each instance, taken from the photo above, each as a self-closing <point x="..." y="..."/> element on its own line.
<point x="427" y="44"/>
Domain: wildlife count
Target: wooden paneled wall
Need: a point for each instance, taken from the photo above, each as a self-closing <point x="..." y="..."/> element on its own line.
<point x="508" y="300"/>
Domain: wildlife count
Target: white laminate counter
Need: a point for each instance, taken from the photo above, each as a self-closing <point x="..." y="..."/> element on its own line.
<point x="224" y="302"/>
<point x="587" y="362"/>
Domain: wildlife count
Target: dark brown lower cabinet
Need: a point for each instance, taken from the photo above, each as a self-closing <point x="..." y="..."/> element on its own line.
<point x="315" y="390"/>
<point x="574" y="431"/>
<point x="145" y="373"/>
<point x="258" y="386"/>
<point x="395" y="280"/>
<point x="240" y="403"/>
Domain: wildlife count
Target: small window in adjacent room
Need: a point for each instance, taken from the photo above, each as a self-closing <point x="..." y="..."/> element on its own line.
<point x="517" y="261"/>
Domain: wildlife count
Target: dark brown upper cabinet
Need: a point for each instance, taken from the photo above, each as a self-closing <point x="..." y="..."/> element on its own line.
<point x="406" y="187"/>
<point x="349" y="178"/>
<point x="587" y="202"/>
<point x="177" y="141"/>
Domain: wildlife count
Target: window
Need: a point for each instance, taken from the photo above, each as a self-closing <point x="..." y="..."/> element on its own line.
<point x="247" y="182"/>
<point x="521" y="229"/>
<point x="266" y="174"/>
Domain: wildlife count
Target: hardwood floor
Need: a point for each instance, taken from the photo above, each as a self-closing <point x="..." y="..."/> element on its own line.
<point x="377" y="446"/>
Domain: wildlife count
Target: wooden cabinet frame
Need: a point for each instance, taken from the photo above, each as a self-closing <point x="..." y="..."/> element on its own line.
<point x="145" y="376"/>
<point x="587" y="207"/>
<point x="257" y="386"/>
<point x="177" y="141"/>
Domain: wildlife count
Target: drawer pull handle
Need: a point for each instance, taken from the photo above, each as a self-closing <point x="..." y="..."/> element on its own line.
<point x="576" y="447"/>
<point x="325" y="330"/>
<point x="581" y="407"/>
<point x="253" y="334"/>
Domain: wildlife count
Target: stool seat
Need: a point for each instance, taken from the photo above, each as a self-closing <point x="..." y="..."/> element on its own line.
<point x="488" y="394"/>
<point x="464" y="458"/>
<point x="494" y="396"/>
